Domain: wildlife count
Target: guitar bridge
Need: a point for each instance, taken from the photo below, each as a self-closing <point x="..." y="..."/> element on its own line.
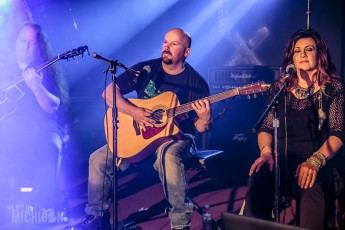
<point x="136" y="128"/>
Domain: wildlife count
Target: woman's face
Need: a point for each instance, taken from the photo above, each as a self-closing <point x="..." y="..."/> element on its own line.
<point x="305" y="56"/>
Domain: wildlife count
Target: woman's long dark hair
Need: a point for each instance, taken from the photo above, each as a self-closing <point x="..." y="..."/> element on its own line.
<point x="326" y="68"/>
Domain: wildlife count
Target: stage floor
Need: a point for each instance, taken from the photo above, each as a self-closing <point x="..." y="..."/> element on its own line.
<point x="141" y="203"/>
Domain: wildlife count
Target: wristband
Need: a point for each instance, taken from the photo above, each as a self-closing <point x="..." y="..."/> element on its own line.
<point x="205" y="123"/>
<point x="265" y="146"/>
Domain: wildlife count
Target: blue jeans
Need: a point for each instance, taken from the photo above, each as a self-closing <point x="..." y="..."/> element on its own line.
<point x="170" y="167"/>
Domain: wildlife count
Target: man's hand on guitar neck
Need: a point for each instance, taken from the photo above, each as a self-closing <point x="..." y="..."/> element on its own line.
<point x="32" y="79"/>
<point x="203" y="110"/>
<point x="47" y="101"/>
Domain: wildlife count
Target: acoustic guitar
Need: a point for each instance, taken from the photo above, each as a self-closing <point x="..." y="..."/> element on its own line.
<point x="131" y="141"/>
<point x="11" y="94"/>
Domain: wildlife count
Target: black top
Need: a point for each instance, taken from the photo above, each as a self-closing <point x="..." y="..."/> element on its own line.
<point x="188" y="86"/>
<point x="301" y="131"/>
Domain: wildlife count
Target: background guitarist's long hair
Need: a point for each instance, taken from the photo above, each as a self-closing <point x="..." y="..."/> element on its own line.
<point x="46" y="53"/>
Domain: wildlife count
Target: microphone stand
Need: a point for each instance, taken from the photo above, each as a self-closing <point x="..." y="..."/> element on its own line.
<point x="112" y="68"/>
<point x="273" y="105"/>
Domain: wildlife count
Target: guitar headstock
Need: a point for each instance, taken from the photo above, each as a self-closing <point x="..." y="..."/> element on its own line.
<point x="72" y="53"/>
<point x="258" y="87"/>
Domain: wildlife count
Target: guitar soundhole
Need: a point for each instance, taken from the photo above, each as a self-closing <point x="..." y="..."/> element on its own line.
<point x="157" y="115"/>
<point x="160" y="124"/>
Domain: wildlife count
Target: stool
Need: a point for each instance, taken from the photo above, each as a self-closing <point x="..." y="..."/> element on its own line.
<point x="200" y="160"/>
<point x="204" y="155"/>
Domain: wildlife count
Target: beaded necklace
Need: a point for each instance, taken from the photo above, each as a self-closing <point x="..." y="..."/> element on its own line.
<point x="303" y="93"/>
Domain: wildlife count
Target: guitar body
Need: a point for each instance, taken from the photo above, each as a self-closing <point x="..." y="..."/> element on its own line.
<point x="167" y="112"/>
<point x="131" y="140"/>
<point x="8" y="101"/>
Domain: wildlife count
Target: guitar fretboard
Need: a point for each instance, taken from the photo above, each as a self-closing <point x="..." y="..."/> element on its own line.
<point x="188" y="106"/>
<point x="245" y="90"/>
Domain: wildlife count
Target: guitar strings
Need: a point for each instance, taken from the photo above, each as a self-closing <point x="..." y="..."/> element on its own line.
<point x="246" y="90"/>
<point x="188" y="106"/>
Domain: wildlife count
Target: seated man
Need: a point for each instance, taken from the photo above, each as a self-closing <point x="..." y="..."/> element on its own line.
<point x="170" y="73"/>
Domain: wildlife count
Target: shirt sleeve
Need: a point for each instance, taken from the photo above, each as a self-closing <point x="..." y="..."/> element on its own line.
<point x="336" y="110"/>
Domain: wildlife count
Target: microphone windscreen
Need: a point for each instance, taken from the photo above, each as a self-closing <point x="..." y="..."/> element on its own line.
<point x="290" y="69"/>
<point x="147" y="68"/>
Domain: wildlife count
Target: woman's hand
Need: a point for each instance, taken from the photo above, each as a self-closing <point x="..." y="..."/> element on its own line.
<point x="306" y="173"/>
<point x="265" y="158"/>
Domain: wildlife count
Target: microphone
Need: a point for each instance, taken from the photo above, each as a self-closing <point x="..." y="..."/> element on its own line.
<point x="94" y="55"/>
<point x="146" y="70"/>
<point x="290" y="69"/>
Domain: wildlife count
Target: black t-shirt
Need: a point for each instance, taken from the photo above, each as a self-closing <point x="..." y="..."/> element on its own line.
<point x="188" y="86"/>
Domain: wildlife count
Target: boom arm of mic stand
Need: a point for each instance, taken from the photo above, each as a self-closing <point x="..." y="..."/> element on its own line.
<point x="127" y="69"/>
<point x="273" y="102"/>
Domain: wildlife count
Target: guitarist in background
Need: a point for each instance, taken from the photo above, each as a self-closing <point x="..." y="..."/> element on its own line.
<point x="171" y="73"/>
<point x="30" y="135"/>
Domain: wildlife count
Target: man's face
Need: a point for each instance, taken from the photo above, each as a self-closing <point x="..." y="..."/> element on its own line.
<point x="175" y="48"/>
<point x="27" y="45"/>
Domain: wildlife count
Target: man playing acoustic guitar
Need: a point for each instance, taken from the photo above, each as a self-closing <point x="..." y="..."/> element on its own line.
<point x="169" y="73"/>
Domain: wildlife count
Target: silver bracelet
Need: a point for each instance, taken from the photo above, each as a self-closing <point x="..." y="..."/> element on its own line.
<point x="321" y="157"/>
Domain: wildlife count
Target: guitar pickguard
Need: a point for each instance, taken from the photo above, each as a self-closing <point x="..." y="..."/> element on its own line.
<point x="152" y="131"/>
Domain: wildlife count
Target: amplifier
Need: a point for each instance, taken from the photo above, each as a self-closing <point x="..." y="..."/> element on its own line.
<point x="228" y="77"/>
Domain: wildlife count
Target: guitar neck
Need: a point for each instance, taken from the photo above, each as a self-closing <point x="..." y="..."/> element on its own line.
<point x="38" y="68"/>
<point x="214" y="98"/>
<point x="66" y="55"/>
<point x="46" y="64"/>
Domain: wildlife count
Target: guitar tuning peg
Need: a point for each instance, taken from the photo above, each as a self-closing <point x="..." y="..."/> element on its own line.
<point x="255" y="95"/>
<point x="248" y="97"/>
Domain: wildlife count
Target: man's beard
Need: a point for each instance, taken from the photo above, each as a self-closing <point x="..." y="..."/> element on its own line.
<point x="165" y="59"/>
